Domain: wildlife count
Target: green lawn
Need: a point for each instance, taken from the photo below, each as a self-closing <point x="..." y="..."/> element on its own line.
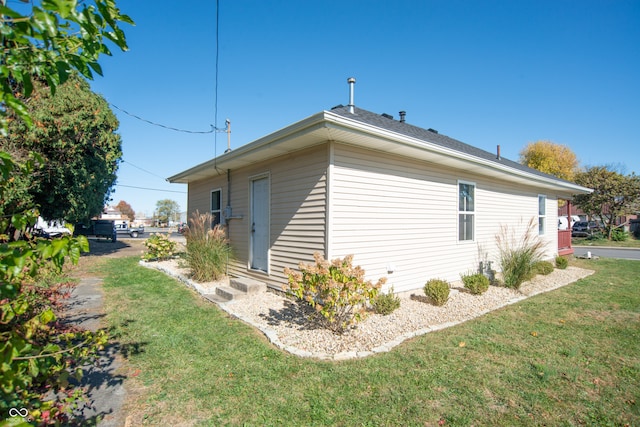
<point x="595" y="241"/>
<point x="569" y="357"/>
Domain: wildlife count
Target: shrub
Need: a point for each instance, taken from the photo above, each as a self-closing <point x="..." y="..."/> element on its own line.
<point x="437" y="291"/>
<point x="618" y="235"/>
<point x="476" y="283"/>
<point x="159" y="247"/>
<point x="542" y="267"/>
<point x="208" y="250"/>
<point x="336" y="290"/>
<point x="386" y="303"/>
<point x="561" y="262"/>
<point x="517" y="255"/>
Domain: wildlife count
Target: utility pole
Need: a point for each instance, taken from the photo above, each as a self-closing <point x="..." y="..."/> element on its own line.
<point x="228" y="131"/>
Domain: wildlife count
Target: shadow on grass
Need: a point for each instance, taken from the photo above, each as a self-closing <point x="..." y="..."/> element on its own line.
<point x="99" y="247"/>
<point x="103" y="383"/>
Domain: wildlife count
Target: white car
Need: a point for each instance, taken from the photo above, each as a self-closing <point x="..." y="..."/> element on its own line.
<point x="51" y="228"/>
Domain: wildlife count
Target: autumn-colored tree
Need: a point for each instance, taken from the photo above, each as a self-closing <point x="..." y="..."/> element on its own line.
<point x="613" y="194"/>
<point x="555" y="159"/>
<point x="126" y="210"/>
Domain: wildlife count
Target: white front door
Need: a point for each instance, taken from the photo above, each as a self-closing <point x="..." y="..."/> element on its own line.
<point x="260" y="224"/>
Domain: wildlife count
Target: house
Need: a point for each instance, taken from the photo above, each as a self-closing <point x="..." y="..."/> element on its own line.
<point x="410" y="203"/>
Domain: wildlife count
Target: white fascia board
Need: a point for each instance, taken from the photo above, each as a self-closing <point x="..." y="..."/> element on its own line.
<point x="235" y="157"/>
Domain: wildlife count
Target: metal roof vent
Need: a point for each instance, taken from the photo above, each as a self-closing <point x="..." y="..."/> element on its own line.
<point x="352" y="83"/>
<point x="402" y="116"/>
<point x="432" y="130"/>
<point x="388" y="116"/>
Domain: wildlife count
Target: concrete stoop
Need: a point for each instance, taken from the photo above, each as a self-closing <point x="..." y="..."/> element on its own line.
<point x="239" y="288"/>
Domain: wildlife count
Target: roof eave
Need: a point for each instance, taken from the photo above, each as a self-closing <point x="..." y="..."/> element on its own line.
<point x="319" y="127"/>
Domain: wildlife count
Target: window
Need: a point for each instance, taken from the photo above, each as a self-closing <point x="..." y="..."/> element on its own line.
<point x="216" y="204"/>
<point x="466" y="210"/>
<point x="542" y="213"/>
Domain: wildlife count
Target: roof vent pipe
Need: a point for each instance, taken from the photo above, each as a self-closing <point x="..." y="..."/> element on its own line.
<point x="402" y="115"/>
<point x="499" y="158"/>
<point x="352" y="83"/>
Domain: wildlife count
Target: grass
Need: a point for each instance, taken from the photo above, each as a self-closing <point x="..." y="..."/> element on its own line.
<point x="631" y="242"/>
<point x="569" y="357"/>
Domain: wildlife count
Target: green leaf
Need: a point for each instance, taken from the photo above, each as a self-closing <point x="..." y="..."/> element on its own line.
<point x="33" y="368"/>
<point x="47" y="316"/>
<point x="19" y="108"/>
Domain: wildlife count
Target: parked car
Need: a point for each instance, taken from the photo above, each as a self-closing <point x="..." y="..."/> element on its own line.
<point x="584" y="228"/>
<point x="563" y="221"/>
<point x="50" y="229"/>
<point x="124" y="228"/>
<point x="99" y="228"/>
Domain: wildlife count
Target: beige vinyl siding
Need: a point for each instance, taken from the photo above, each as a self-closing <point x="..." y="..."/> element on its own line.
<point x="199" y="194"/>
<point x="393" y="212"/>
<point x="297" y="210"/>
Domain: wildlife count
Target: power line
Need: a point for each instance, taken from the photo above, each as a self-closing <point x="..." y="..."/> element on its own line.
<point x="143" y="170"/>
<point x="212" y="130"/>
<point x="151" y="189"/>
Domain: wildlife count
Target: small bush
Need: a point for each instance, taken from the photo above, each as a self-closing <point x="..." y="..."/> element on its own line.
<point x="386" y="303"/>
<point x="476" y="283"/>
<point x="543" y="267"/>
<point x="619" y="235"/>
<point x="159" y="247"/>
<point x="336" y="290"/>
<point x="437" y="291"/>
<point x="208" y="250"/>
<point x="561" y="262"/>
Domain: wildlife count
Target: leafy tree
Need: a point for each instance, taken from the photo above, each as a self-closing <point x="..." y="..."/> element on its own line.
<point x="126" y="210"/>
<point x="548" y="157"/>
<point x="74" y="132"/>
<point x="166" y="210"/>
<point x="50" y="40"/>
<point x="613" y="194"/>
<point x="38" y="353"/>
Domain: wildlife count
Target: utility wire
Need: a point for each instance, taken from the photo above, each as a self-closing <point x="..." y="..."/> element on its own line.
<point x="151" y="189"/>
<point x="143" y="170"/>
<point x="212" y="130"/>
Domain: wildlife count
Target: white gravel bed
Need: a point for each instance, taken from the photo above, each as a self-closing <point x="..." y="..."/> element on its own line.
<point x="285" y="326"/>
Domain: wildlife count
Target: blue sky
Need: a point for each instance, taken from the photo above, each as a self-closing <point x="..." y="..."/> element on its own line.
<point x="487" y="73"/>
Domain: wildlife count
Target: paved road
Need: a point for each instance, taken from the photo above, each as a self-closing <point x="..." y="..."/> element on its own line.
<point x="605" y="252"/>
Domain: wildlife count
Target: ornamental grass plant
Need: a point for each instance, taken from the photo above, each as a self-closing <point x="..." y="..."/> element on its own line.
<point x="208" y="249"/>
<point x="518" y="254"/>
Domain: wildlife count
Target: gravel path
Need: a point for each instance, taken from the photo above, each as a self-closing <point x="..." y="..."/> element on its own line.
<point x="284" y="324"/>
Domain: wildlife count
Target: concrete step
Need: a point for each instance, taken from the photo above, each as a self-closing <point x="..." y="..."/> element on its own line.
<point x="247" y="285"/>
<point x="229" y="293"/>
<point x="215" y="298"/>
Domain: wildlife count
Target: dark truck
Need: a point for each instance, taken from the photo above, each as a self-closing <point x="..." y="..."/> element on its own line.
<point x="104" y="228"/>
<point x="124" y="228"/>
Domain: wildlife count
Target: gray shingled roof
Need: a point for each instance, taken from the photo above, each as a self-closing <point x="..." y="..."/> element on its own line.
<point x="380" y="121"/>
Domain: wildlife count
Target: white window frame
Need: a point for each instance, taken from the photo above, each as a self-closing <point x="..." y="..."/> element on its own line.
<point x="471" y="213"/>
<point x="216" y="213"/>
<point x="542" y="216"/>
